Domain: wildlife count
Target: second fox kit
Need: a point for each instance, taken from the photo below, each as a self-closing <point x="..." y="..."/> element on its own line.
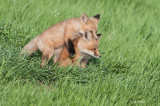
<point x="86" y="46"/>
<point x="52" y="40"/>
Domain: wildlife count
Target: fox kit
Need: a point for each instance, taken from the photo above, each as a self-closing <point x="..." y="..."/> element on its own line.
<point x="86" y="46"/>
<point x="52" y="40"/>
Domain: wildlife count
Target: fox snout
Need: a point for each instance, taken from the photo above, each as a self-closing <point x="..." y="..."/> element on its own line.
<point x="97" y="54"/>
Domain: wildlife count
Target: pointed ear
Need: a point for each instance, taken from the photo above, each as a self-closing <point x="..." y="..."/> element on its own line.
<point x="87" y="35"/>
<point x="99" y="35"/>
<point x="84" y="18"/>
<point x="97" y="16"/>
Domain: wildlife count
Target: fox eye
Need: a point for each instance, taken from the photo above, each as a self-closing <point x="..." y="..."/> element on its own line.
<point x="91" y="31"/>
<point x="94" y="49"/>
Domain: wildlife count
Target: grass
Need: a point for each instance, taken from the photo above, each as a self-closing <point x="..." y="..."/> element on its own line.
<point x="127" y="74"/>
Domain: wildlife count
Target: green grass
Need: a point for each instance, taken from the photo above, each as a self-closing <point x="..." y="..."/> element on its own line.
<point x="127" y="74"/>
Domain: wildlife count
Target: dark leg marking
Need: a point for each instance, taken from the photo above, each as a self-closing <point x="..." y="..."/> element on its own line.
<point x="71" y="49"/>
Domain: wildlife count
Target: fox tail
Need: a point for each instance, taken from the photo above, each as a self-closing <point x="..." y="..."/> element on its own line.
<point x="31" y="47"/>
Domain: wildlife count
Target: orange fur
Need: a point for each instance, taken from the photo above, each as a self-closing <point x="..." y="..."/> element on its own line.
<point x="81" y="45"/>
<point x="52" y="40"/>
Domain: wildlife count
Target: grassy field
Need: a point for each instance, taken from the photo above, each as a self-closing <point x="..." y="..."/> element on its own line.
<point x="127" y="74"/>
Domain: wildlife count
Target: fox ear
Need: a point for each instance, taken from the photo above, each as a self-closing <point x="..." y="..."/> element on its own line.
<point x="87" y="35"/>
<point x="97" y="16"/>
<point x="99" y="35"/>
<point x="84" y="18"/>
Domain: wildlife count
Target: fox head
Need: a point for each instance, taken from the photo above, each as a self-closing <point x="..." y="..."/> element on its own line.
<point x="90" y="23"/>
<point x="89" y="44"/>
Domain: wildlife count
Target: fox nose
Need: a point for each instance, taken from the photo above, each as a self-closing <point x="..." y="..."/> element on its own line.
<point x="100" y="56"/>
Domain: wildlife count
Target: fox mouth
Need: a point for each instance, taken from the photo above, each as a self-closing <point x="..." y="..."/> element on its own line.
<point x="92" y="55"/>
<point x="89" y="53"/>
<point x="96" y="56"/>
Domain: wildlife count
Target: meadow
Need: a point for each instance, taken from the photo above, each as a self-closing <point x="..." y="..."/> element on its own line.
<point x="128" y="72"/>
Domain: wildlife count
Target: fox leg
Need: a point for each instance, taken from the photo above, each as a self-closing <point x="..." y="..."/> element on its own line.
<point x="83" y="65"/>
<point x="68" y="42"/>
<point x="65" y="62"/>
<point x="47" y="48"/>
<point x="55" y="59"/>
<point x="70" y="47"/>
<point x="46" y="56"/>
<point x="57" y="52"/>
<point x="76" y="60"/>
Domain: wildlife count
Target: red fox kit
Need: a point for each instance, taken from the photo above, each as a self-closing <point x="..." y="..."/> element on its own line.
<point x="86" y="46"/>
<point x="52" y="40"/>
